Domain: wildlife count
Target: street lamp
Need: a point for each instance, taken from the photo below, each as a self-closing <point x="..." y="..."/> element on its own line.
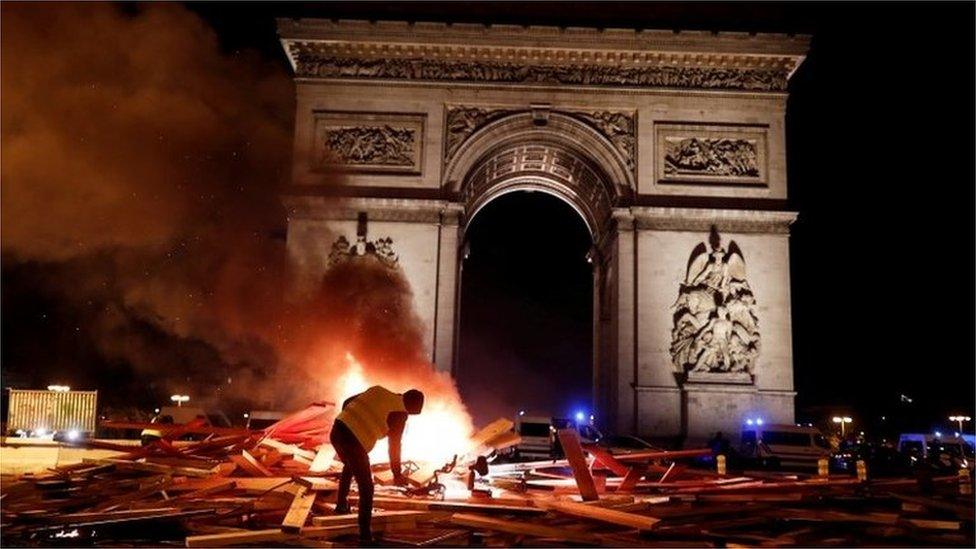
<point x="58" y="388"/>
<point x="843" y="422"/>
<point x="180" y="399"/>
<point x="960" y="420"/>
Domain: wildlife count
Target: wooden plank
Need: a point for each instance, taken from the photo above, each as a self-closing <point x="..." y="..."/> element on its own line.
<point x="323" y="459"/>
<point x="300" y="508"/>
<point x="601" y="514"/>
<point x="289" y="449"/>
<point x="380" y="517"/>
<point x="223" y="486"/>
<point x="521" y="528"/>
<point x="607" y="459"/>
<point x="499" y="505"/>
<point x="662" y="454"/>
<point x="238" y="538"/>
<point x="491" y="431"/>
<point x="316" y="483"/>
<point x="252" y="466"/>
<point x="634" y="474"/>
<point x="569" y="439"/>
<point x="933" y="524"/>
<point x="151" y="467"/>
<point x="504" y="440"/>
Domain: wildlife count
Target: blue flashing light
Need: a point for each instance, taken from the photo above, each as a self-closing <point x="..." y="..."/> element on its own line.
<point x="580" y="416"/>
<point x="749" y="421"/>
<point x="759" y="421"/>
<point x="938" y="434"/>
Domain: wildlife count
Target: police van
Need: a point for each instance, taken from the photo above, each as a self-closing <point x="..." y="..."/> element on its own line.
<point x="781" y="445"/>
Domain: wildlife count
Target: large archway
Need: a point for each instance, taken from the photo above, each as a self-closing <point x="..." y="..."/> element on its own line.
<point x="526" y="314"/>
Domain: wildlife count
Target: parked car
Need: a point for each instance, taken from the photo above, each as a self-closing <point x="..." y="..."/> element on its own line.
<point x="775" y="445"/>
<point x="882" y="460"/>
<point x="184" y="415"/>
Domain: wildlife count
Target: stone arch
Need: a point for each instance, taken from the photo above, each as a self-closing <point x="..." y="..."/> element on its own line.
<point x="555" y="153"/>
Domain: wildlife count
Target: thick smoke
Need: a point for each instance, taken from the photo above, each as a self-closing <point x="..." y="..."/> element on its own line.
<point x="141" y="172"/>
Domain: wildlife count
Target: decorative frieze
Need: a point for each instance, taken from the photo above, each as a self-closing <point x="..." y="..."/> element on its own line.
<point x="711" y="154"/>
<point x="313" y="64"/>
<point x="368" y="142"/>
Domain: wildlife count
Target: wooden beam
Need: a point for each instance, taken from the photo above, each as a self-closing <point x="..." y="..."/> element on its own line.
<point x="601" y="514"/>
<point x="521" y="528"/>
<point x="238" y="538"/>
<point x="490" y="431"/>
<point x="289" y="449"/>
<point x="634" y="474"/>
<point x="569" y="439"/>
<point x="380" y="517"/>
<point x="607" y="459"/>
<point x="323" y="459"/>
<point x="662" y="454"/>
<point x="459" y="506"/>
<point x="247" y="462"/>
<point x="300" y="508"/>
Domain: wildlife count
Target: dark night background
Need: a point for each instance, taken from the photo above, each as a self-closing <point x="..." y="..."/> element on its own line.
<point x="880" y="164"/>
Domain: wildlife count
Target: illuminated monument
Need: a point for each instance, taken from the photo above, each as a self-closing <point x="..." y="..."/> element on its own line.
<point x="670" y="146"/>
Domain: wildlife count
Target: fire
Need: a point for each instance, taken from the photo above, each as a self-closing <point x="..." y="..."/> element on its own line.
<point x="442" y="430"/>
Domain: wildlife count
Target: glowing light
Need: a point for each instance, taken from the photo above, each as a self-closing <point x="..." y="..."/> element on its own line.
<point x="938" y="434"/>
<point x="156" y="411"/>
<point x="759" y="421"/>
<point x="73" y="434"/>
<point x="246" y="415"/>
<point x="41" y="432"/>
<point x="749" y="421"/>
<point x="521" y="412"/>
<point x="58" y="388"/>
<point x="580" y="416"/>
<point x="438" y="433"/>
<point x="180" y="399"/>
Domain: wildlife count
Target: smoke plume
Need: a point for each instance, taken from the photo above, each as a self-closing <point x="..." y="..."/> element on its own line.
<point x="141" y="173"/>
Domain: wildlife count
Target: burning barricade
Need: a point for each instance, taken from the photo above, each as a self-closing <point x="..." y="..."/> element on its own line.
<point x="277" y="487"/>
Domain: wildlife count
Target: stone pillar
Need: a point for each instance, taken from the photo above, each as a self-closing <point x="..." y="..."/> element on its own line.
<point x="625" y="323"/>
<point x="448" y="288"/>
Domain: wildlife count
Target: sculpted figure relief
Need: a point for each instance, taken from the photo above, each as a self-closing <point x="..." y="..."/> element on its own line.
<point x="715" y="325"/>
<point x="369" y="145"/>
<point x="714" y="157"/>
<point x="381" y="249"/>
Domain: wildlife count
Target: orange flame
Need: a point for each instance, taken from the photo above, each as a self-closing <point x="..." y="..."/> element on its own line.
<point x="442" y="430"/>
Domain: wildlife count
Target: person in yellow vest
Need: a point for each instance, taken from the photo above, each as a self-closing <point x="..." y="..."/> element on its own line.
<point x="365" y="418"/>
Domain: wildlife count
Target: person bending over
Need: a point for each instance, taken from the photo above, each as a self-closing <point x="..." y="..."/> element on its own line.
<point x="365" y="418"/>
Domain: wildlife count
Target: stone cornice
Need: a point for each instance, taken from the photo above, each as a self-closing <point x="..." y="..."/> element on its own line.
<point x="379" y="209"/>
<point x="540" y="55"/>
<point x="702" y="219"/>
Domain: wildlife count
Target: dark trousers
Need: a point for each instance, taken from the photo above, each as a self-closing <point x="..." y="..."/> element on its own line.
<point x="355" y="463"/>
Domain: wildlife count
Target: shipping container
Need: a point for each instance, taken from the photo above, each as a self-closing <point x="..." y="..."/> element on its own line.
<point x="51" y="411"/>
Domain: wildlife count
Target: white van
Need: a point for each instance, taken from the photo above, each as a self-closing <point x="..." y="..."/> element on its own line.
<point x="783" y="445"/>
<point x="947" y="451"/>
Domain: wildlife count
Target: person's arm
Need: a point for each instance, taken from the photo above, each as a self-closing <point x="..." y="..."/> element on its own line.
<point x="397" y="421"/>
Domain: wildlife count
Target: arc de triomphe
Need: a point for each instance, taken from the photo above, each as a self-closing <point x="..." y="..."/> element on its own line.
<point x="670" y="145"/>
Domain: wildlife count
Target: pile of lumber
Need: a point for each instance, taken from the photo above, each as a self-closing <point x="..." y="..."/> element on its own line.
<point x="246" y="488"/>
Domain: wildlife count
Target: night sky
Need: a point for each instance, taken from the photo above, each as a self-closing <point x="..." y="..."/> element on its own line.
<point x="881" y="170"/>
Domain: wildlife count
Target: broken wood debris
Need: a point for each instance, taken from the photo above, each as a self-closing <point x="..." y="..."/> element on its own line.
<point x="236" y="489"/>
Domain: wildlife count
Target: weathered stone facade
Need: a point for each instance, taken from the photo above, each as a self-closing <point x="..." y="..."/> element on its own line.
<point x="662" y="141"/>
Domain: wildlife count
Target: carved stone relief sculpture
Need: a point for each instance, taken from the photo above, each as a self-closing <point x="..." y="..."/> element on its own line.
<point x="381" y="249"/>
<point x="310" y="63"/>
<point x="711" y="154"/>
<point x="619" y="127"/>
<point x="715" y="337"/>
<point x="369" y="142"/>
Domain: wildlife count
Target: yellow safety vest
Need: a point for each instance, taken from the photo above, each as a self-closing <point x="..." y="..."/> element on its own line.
<point x="366" y="414"/>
